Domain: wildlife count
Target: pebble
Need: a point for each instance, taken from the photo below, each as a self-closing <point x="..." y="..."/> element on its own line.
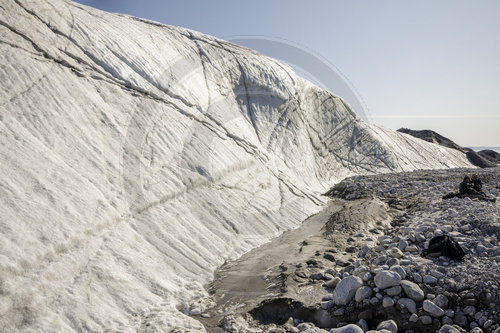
<point x="407" y="303"/>
<point x="329" y="256"/>
<point x="429" y="279"/>
<point x="387" y="302"/>
<point x="417" y="278"/>
<point x="402" y="245"/>
<point x="426" y="320"/>
<point x="325" y="305"/>
<point x="411" y="248"/>
<point x="470" y="301"/>
<point x="441" y="301"/>
<point x="339" y="312"/>
<point x="351" y="249"/>
<point x="488" y="323"/>
<point x="432" y="309"/>
<point x="389" y="325"/>
<point x="450" y="313"/>
<point x="363" y="324"/>
<point x="366" y="276"/>
<point x="460" y="319"/>
<point x="448" y="329"/>
<point x="351" y="328"/>
<point x="470" y="310"/>
<point x="333" y="282"/>
<point x="393" y="291"/>
<point x="405" y="262"/>
<point x="437" y="274"/>
<point x="392" y="262"/>
<point x="400" y="270"/>
<point x="396" y="253"/>
<point x="413" y="318"/>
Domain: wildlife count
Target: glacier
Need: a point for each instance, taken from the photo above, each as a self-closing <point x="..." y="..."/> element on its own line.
<point x="137" y="157"/>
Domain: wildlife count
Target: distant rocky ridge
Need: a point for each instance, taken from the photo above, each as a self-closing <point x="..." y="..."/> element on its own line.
<point x="483" y="159"/>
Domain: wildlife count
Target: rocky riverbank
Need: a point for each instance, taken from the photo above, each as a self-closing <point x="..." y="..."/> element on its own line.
<point x="363" y="270"/>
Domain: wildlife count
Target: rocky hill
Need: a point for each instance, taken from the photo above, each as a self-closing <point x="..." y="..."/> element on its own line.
<point x="482" y="159"/>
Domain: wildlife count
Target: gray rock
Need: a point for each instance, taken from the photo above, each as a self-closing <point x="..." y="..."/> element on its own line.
<point x="441" y="301"/>
<point x="389" y="325"/>
<point x="449" y="313"/>
<point x="396" y="253"/>
<point x="470" y="301"/>
<point x="437" y="274"/>
<point x="363" y="293"/>
<point x="346" y="289"/>
<point x="412" y="248"/>
<point x="429" y="279"/>
<point x="432" y="309"/>
<point x="392" y="262"/>
<point x="333" y="282"/>
<point x="402" y="245"/>
<point x="386" y="279"/>
<point x="417" y="278"/>
<point x="446" y="321"/>
<point x="393" y="291"/>
<point x="488" y="323"/>
<point x="363" y="324"/>
<point x="407" y="303"/>
<point x="339" y="312"/>
<point x="351" y="328"/>
<point x="470" y="310"/>
<point x="387" y="302"/>
<point x="448" y="329"/>
<point x="413" y="318"/>
<point x="412" y="290"/>
<point x="304" y="326"/>
<point x="419" y="238"/>
<point x="476" y="330"/>
<point x="327" y="276"/>
<point x="426" y="320"/>
<point x="398" y="269"/>
<point x="460" y="319"/>
<point x="366" y="276"/>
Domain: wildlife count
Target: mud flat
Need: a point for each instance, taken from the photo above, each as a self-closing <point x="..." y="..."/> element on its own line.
<point x="373" y="224"/>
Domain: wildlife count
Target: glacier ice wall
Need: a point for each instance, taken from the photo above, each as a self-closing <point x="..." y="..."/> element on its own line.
<point x="137" y="157"/>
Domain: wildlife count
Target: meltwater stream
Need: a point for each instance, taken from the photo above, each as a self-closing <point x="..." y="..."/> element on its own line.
<point x="242" y="284"/>
<point x="272" y="272"/>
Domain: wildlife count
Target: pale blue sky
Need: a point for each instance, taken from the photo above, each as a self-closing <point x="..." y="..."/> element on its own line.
<point x="417" y="64"/>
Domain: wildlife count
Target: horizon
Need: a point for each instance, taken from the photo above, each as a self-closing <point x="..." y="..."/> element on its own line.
<point x="417" y="65"/>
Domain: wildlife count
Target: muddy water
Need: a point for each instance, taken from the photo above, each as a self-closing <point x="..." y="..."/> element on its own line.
<point x="270" y="271"/>
<point x="242" y="284"/>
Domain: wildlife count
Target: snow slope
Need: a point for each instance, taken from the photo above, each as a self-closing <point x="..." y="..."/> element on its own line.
<point x="137" y="157"/>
